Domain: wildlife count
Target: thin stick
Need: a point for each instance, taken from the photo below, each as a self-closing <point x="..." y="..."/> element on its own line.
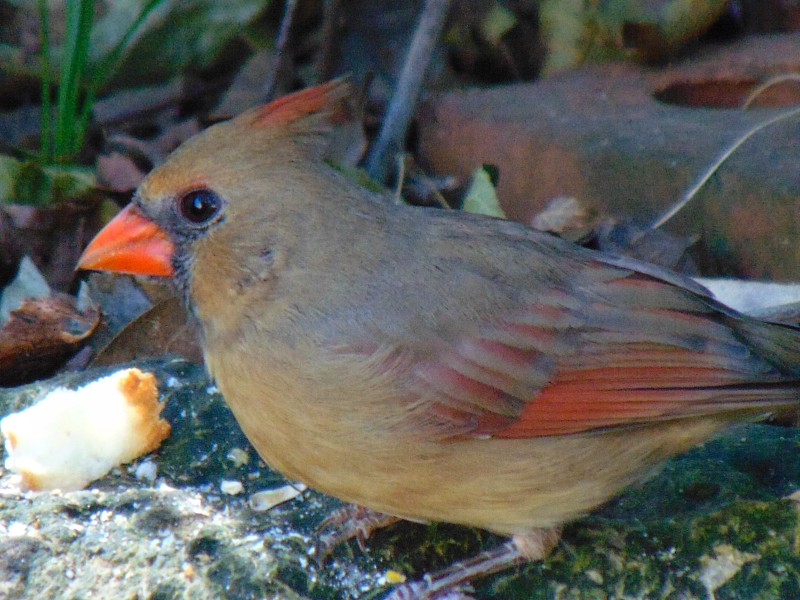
<point x="772" y="81"/>
<point x="330" y="26"/>
<point x="280" y="49"/>
<point x="401" y="177"/>
<point x="692" y="192"/>
<point x="405" y="97"/>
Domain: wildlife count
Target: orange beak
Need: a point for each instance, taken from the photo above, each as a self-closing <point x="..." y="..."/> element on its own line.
<point x="130" y="243"/>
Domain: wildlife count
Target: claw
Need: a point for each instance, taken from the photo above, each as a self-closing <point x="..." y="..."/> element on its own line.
<point x="350" y="521"/>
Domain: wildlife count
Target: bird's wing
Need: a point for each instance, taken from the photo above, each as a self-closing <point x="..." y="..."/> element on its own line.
<point x="621" y="347"/>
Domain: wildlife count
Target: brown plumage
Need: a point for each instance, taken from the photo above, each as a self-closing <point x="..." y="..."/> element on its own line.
<point x="431" y="364"/>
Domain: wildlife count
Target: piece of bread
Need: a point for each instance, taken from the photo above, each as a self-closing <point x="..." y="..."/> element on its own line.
<point x="72" y="437"/>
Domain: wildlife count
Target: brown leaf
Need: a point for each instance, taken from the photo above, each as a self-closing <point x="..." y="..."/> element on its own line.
<point x="53" y="236"/>
<point x="566" y="217"/>
<point x="162" y="329"/>
<point x="638" y="241"/>
<point x="42" y="334"/>
<point x="172" y="137"/>
<point x="249" y="86"/>
<point x="118" y="172"/>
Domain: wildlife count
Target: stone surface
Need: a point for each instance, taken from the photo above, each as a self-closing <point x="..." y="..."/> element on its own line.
<point x="178" y="536"/>
<point x="629" y="140"/>
<point x="714" y="522"/>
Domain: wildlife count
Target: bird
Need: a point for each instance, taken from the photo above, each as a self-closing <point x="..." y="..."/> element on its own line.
<point x="430" y="364"/>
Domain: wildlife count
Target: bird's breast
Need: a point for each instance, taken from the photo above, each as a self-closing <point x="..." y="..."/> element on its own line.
<point x="339" y="423"/>
<point x="325" y="417"/>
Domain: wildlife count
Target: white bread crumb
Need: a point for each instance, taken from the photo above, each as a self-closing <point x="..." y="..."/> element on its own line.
<point x="72" y="437"/>
<point x="268" y="499"/>
<point x="231" y="487"/>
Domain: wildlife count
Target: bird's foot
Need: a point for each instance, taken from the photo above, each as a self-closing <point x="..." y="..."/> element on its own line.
<point x="453" y="582"/>
<point x="350" y="521"/>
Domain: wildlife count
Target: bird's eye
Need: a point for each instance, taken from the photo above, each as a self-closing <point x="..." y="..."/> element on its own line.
<point x="199" y="206"/>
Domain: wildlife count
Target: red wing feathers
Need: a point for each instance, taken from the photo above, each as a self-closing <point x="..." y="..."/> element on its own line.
<point x="613" y="361"/>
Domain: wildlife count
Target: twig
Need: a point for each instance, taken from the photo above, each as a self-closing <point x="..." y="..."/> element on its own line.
<point x="330" y="26"/>
<point x="280" y="49"/>
<point x="401" y="177"/>
<point x="395" y="123"/>
<point x="692" y="192"/>
<point x="772" y="81"/>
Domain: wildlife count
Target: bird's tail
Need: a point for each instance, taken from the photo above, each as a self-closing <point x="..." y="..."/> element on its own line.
<point x="777" y="343"/>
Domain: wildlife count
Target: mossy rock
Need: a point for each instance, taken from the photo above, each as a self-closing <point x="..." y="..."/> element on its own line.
<point x="715" y="522"/>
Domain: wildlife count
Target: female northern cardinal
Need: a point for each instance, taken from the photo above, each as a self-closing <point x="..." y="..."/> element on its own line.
<point x="431" y="364"/>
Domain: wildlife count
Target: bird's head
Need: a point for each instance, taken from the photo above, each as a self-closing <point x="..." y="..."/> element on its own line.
<point x="216" y="200"/>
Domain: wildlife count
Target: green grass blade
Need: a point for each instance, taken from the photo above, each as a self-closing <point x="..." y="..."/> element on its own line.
<point x="77" y="91"/>
<point x="83" y="118"/>
<point x="82" y="59"/>
<point x="79" y="16"/>
<point x="111" y="61"/>
<point x="108" y="65"/>
<point x="65" y="80"/>
<point x="46" y="140"/>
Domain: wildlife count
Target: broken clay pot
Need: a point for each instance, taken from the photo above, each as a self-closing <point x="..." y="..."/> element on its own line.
<point x="629" y="141"/>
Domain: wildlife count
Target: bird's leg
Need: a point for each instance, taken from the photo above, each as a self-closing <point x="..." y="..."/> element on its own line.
<point x="350" y="521"/>
<point x="453" y="580"/>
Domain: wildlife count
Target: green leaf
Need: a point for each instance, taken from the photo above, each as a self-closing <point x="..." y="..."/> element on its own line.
<point x="70" y="181"/>
<point x="578" y="31"/>
<point x="32" y="184"/>
<point x="9" y="172"/>
<point x="496" y="23"/>
<point x="481" y="197"/>
<point x="360" y="177"/>
<point x="675" y="23"/>
<point x="176" y="35"/>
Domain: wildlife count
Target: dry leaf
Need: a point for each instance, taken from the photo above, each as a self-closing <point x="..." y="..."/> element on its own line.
<point x="164" y="328"/>
<point x="42" y="334"/>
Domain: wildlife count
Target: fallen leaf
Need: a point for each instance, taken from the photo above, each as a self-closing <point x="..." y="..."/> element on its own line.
<point x="118" y="173"/>
<point x="564" y="216"/>
<point x="481" y="197"/>
<point x="42" y="334"/>
<point x="29" y="283"/>
<point x="52" y="236"/>
<point x="638" y="241"/>
<point x="248" y="87"/>
<point x="162" y="329"/>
